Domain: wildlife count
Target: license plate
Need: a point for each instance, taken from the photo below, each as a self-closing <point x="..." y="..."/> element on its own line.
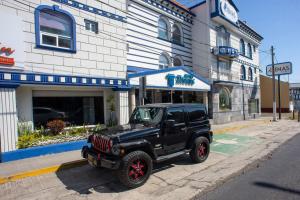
<point x="92" y="161"/>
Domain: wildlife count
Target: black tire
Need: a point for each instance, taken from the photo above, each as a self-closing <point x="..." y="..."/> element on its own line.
<point x="135" y="170"/>
<point x="200" y="150"/>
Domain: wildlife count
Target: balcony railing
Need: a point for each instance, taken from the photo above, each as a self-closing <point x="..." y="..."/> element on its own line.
<point x="226" y="52"/>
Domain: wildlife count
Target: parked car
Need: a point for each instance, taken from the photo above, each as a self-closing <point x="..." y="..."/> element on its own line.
<point x="155" y="133"/>
<point x="42" y="115"/>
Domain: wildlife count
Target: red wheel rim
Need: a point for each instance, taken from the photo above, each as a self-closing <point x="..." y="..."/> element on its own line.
<point x="137" y="170"/>
<point x="202" y="150"/>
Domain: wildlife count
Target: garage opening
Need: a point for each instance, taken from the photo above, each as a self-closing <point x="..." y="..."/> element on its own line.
<point x="74" y="111"/>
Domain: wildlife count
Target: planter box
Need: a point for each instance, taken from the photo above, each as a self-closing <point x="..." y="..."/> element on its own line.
<point x="42" y="150"/>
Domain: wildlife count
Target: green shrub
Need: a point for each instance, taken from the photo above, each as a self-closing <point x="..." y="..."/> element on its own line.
<point x="27" y="140"/>
<point x="56" y="126"/>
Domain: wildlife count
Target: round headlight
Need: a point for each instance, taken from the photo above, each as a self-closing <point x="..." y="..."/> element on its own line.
<point x="115" y="150"/>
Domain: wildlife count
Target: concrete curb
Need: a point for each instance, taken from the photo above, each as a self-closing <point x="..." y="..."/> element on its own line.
<point x="253" y="164"/>
<point x="46" y="170"/>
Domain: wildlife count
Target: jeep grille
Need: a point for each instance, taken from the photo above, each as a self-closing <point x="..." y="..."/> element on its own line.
<point x="101" y="143"/>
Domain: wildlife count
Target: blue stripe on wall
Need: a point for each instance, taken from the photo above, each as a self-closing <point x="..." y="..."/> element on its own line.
<point x="42" y="150"/>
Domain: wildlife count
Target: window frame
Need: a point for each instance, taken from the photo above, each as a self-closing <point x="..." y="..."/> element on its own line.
<point x="222" y="31"/>
<point x="39" y="33"/>
<point x="249" y="51"/>
<point x="90" y="24"/>
<point x="180" y="59"/>
<point x="228" y="93"/>
<point x="250" y="74"/>
<point x="168" y="28"/>
<point x="243" y="72"/>
<point x="167" y="57"/>
<point x="242" y="47"/>
<point x="180" y="32"/>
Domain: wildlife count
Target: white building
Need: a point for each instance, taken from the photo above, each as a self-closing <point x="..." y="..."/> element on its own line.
<point x="160" y="54"/>
<point x="226" y="51"/>
<point x="61" y="59"/>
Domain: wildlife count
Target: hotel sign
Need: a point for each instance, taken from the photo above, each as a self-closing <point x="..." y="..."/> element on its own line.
<point x="186" y="79"/>
<point x="229" y="11"/>
<point x="280" y="69"/>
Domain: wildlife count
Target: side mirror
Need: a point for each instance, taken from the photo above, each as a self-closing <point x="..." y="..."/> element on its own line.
<point x="170" y="123"/>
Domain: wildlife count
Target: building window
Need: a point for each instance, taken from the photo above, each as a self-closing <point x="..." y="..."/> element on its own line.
<point x="55" y="29"/>
<point x="242" y="47"/>
<point x="224" y="99"/>
<point x="164" y="61"/>
<point x="249" y="50"/>
<point x="253" y="106"/>
<point x="177" y="61"/>
<point x="177" y="34"/>
<point x="250" y="74"/>
<point x="225" y="66"/>
<point x="163" y="29"/>
<point x="243" y="72"/>
<point x="91" y="26"/>
<point x="223" y="37"/>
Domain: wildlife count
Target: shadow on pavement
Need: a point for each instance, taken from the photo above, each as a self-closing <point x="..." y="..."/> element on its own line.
<point x="277" y="187"/>
<point x="85" y="179"/>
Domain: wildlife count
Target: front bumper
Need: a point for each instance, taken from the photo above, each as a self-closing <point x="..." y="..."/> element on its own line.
<point x="98" y="159"/>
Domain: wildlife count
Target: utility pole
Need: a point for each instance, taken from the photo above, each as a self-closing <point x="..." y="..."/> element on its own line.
<point x="274" y="85"/>
<point x="279" y="97"/>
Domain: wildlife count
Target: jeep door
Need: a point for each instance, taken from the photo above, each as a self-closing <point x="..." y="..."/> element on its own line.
<point x="174" y="135"/>
<point x="198" y="121"/>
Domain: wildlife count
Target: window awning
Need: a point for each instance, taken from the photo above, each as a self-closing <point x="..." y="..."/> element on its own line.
<point x="174" y="78"/>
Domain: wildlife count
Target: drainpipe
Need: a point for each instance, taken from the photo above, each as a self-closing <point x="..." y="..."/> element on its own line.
<point x="243" y="101"/>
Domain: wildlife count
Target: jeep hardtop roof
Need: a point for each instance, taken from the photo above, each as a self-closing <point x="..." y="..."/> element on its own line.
<point x="170" y="105"/>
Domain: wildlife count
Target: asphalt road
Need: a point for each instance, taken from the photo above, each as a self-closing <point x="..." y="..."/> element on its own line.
<point x="276" y="179"/>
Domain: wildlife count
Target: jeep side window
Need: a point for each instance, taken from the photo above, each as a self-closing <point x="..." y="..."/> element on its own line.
<point x="196" y="114"/>
<point x="176" y="114"/>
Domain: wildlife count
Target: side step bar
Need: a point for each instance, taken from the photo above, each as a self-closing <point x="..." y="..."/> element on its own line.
<point x="173" y="155"/>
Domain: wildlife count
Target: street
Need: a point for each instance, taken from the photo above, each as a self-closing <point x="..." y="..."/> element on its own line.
<point x="277" y="178"/>
<point x="236" y="147"/>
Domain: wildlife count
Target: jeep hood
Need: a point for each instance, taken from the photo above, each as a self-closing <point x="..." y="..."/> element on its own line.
<point x="131" y="131"/>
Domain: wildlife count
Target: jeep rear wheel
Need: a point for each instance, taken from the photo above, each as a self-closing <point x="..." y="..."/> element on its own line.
<point x="200" y="150"/>
<point x="135" y="169"/>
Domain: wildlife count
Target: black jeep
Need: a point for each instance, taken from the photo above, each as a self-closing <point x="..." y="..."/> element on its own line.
<point x="155" y="133"/>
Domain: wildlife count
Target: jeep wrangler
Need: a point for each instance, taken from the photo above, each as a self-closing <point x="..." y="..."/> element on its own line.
<point x="155" y="133"/>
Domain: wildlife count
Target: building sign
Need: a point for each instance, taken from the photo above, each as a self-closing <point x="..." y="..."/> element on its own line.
<point x="4" y="53"/>
<point x="280" y="69"/>
<point x="226" y="52"/>
<point x="186" y="79"/>
<point x="12" y="45"/>
<point x="229" y="11"/>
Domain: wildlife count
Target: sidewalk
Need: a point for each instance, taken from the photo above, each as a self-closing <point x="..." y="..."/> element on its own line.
<point x="68" y="159"/>
<point x="232" y="153"/>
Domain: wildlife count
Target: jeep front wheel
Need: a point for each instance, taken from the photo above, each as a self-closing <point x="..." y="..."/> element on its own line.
<point x="135" y="169"/>
<point x="200" y="150"/>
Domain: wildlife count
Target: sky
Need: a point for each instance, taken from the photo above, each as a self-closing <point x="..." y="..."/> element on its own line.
<point x="278" y="21"/>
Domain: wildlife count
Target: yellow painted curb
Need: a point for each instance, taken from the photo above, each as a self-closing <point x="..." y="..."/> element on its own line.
<point x="42" y="171"/>
<point x="236" y="128"/>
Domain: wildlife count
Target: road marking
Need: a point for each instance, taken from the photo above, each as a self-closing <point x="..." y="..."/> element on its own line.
<point x="42" y="171"/>
<point x="236" y="128"/>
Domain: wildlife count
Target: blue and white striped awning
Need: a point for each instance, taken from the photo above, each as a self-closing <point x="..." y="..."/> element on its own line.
<point x="18" y="78"/>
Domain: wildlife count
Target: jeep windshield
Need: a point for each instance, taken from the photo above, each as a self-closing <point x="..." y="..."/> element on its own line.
<point x="147" y="116"/>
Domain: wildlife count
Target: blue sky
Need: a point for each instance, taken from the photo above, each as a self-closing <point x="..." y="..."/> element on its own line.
<point x="278" y="21"/>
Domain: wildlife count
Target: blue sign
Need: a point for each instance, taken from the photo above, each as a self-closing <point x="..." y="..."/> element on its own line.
<point x="186" y="79"/>
<point x="226" y="52"/>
